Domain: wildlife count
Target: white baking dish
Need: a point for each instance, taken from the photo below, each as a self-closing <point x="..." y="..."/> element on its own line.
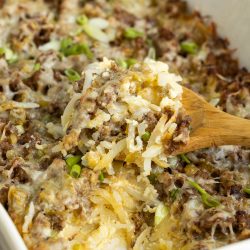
<point x="10" y="239"/>
<point x="232" y="18"/>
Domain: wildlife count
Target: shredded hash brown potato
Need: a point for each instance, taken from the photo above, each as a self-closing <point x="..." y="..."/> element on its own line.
<point x="112" y="117"/>
<point x="85" y="140"/>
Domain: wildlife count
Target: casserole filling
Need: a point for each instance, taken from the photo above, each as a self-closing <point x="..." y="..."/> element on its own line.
<point x="84" y="157"/>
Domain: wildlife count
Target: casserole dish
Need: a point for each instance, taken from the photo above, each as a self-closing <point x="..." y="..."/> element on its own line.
<point x="52" y="219"/>
<point x="9" y="236"/>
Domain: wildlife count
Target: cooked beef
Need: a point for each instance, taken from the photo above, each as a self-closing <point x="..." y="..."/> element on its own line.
<point x="125" y="17"/>
<point x="19" y="175"/>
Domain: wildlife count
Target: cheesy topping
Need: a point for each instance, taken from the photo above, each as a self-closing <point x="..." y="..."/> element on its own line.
<point x="90" y="109"/>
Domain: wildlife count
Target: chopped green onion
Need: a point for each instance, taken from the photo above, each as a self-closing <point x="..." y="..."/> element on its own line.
<point x="77" y="32"/>
<point x="81" y="20"/>
<point x="65" y="44"/>
<point x="246" y="190"/>
<point x="9" y="55"/>
<point x="207" y="199"/>
<point x="75" y="171"/>
<point x="68" y="48"/>
<point x="101" y="177"/>
<point x="122" y="63"/>
<point x="152" y="178"/>
<point x="84" y="49"/>
<point x="160" y="213"/>
<point x="131" y="62"/>
<point x="72" y="75"/>
<point x="91" y="30"/>
<point x="197" y="187"/>
<point x="72" y="160"/>
<point x="151" y="53"/>
<point x="185" y="158"/>
<point x="132" y="33"/>
<point x="145" y="137"/>
<point x="95" y="33"/>
<point x="189" y="47"/>
<point x="2" y="51"/>
<point x="174" y="193"/>
<point x="37" y="67"/>
<point x="126" y="63"/>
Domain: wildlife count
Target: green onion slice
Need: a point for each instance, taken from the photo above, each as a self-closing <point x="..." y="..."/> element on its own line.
<point x="130" y="62"/>
<point x="69" y="48"/>
<point x="2" y="51"/>
<point x="37" y="67"/>
<point x="75" y="171"/>
<point x="151" y="53"/>
<point x="81" y="20"/>
<point x="145" y="137"/>
<point x="84" y="49"/>
<point x="10" y="56"/>
<point x="65" y="44"/>
<point x="207" y="199"/>
<point x="122" y="63"/>
<point x="152" y="178"/>
<point x="91" y="30"/>
<point x="189" y="47"/>
<point x="174" y="193"/>
<point x="72" y="75"/>
<point x="185" y="158"/>
<point x="132" y="33"/>
<point x="101" y="177"/>
<point x="72" y="160"/>
<point x="246" y="190"/>
<point x="95" y="33"/>
<point x="126" y="63"/>
<point x="160" y="213"/>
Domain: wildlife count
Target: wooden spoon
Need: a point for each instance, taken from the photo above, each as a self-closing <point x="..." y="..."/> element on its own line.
<point x="211" y="126"/>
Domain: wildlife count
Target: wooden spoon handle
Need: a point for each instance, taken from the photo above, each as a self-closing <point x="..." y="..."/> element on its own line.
<point x="226" y="129"/>
<point x="218" y="128"/>
<point x="212" y="127"/>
